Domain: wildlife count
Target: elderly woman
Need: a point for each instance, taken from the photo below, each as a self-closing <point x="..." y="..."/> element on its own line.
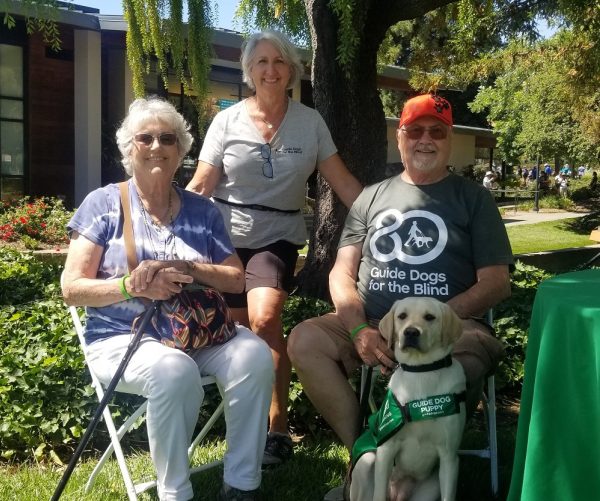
<point x="180" y="238"/>
<point x="255" y="162"/>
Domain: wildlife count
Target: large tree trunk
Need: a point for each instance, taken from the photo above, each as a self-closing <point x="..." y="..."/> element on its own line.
<point x="353" y="111"/>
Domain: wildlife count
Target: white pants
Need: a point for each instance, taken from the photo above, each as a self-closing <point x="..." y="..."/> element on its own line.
<point x="171" y="381"/>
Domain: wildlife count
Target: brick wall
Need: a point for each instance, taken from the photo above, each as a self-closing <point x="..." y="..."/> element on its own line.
<point x="51" y="114"/>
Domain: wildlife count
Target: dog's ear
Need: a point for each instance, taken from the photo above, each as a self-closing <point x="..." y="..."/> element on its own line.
<point x="387" y="326"/>
<point x="451" y="324"/>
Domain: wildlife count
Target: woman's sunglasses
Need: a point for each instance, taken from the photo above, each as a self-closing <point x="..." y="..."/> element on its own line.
<point x="437" y="132"/>
<point x="164" y="139"/>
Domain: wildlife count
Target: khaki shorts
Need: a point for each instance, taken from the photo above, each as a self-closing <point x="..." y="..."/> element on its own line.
<point x="477" y="350"/>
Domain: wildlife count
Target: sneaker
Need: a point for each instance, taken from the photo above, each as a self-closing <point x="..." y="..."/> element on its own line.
<point x="228" y="493"/>
<point x="278" y="449"/>
<point x="337" y="494"/>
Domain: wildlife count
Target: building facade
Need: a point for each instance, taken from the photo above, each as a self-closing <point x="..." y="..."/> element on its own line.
<point x="59" y="110"/>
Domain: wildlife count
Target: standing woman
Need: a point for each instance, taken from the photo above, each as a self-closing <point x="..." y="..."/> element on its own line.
<point x="179" y="238"/>
<point x="255" y="162"/>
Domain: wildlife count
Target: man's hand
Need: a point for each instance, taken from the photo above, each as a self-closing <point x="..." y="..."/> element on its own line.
<point x="373" y="349"/>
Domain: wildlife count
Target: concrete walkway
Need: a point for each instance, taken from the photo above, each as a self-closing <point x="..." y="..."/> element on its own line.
<point x="512" y="218"/>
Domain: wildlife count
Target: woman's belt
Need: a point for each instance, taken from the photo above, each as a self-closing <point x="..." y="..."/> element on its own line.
<point x="257" y="206"/>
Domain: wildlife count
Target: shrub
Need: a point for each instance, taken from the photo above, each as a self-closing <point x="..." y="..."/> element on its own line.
<point x="32" y="222"/>
<point x="511" y="321"/>
<point x="23" y="278"/>
<point x="45" y="397"/>
<point x="301" y="412"/>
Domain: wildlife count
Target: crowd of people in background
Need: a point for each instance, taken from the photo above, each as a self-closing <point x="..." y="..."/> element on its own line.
<point x="550" y="179"/>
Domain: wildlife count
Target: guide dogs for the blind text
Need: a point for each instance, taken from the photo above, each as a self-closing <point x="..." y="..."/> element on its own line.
<point x="417" y="432"/>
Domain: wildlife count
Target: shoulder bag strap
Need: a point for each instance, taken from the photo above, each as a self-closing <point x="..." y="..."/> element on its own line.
<point x="127" y="226"/>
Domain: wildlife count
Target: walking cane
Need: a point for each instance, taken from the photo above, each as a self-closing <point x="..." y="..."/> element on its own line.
<point x="110" y="389"/>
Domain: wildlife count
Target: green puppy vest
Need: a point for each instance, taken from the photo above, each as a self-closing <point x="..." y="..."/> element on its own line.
<point x="392" y="416"/>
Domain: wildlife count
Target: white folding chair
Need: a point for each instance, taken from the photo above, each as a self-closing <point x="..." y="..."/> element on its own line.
<point x="490" y="451"/>
<point x="488" y="401"/>
<point x="133" y="489"/>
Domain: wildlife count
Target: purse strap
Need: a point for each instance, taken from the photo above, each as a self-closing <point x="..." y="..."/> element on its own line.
<point x="132" y="261"/>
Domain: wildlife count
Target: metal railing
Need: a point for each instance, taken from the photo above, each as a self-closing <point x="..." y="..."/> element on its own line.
<point x="517" y="194"/>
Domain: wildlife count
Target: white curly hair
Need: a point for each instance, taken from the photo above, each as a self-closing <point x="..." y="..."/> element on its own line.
<point x="151" y="109"/>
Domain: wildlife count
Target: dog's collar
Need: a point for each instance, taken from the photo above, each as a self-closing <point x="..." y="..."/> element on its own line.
<point x="433" y="366"/>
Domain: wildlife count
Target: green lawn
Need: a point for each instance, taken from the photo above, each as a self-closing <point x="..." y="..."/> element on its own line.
<point x="546" y="236"/>
<point x="317" y="466"/>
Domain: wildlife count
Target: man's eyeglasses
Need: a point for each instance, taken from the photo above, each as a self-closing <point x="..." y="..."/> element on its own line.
<point x="265" y="153"/>
<point x="437" y="132"/>
<point x="164" y="139"/>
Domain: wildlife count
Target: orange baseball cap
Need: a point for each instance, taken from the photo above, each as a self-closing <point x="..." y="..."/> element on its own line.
<point x="426" y="105"/>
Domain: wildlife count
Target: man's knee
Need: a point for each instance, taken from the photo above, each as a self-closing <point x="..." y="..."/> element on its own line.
<point x="300" y="343"/>
<point x="478" y="352"/>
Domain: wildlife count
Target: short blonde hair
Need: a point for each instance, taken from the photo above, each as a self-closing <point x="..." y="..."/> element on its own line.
<point x="282" y="44"/>
<point x="151" y="109"/>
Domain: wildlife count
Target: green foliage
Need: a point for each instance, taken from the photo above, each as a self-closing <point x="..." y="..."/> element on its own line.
<point x="299" y="308"/>
<point x="40" y="16"/>
<point x="351" y="26"/>
<point x="586" y="224"/>
<point x="24" y="279"/>
<point x="156" y="32"/>
<point x="511" y="321"/>
<point x="301" y="412"/>
<point x="45" y="398"/>
<point x="288" y="16"/>
<point x="42" y="385"/>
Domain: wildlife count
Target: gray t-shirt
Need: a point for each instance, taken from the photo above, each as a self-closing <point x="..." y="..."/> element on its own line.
<point x="425" y="240"/>
<point x="235" y="146"/>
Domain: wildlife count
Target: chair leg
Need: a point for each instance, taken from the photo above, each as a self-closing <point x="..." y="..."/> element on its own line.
<point x="116" y="446"/>
<point x="206" y="428"/>
<point x="493" y="439"/>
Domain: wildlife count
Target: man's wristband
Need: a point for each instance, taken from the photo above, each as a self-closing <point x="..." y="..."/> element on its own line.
<point x="126" y="294"/>
<point x="357" y="329"/>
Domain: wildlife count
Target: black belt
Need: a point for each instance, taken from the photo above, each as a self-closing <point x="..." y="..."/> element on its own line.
<point x="257" y="207"/>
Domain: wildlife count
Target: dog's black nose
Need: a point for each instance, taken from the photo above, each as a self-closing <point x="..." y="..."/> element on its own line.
<point x="411" y="332"/>
<point x="411" y="338"/>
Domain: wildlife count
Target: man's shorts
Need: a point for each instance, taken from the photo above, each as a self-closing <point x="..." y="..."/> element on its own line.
<point x="477" y="350"/>
<point x="270" y="266"/>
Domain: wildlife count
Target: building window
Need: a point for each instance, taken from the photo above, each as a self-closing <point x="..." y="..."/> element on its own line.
<point x="12" y="116"/>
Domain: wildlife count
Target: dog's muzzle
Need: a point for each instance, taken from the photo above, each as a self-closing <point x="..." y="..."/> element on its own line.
<point x="412" y="337"/>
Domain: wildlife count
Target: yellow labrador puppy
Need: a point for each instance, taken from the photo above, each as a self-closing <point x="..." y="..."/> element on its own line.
<point x="409" y="451"/>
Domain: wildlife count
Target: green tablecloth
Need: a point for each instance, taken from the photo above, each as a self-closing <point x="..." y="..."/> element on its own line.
<point x="557" y="455"/>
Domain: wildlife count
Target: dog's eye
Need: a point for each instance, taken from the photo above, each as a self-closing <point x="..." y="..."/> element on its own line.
<point x="402" y="316"/>
<point x="429" y="317"/>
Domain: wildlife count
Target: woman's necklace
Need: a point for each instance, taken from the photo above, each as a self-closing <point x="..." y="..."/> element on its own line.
<point x="261" y="115"/>
<point x="164" y="233"/>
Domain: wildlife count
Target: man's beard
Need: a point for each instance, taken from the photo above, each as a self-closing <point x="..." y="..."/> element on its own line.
<point x="425" y="164"/>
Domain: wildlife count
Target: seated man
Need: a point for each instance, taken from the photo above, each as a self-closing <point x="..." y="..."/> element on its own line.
<point x="423" y="232"/>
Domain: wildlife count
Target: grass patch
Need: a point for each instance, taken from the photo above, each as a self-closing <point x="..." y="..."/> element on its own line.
<point x="319" y="464"/>
<point x="546" y="236"/>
